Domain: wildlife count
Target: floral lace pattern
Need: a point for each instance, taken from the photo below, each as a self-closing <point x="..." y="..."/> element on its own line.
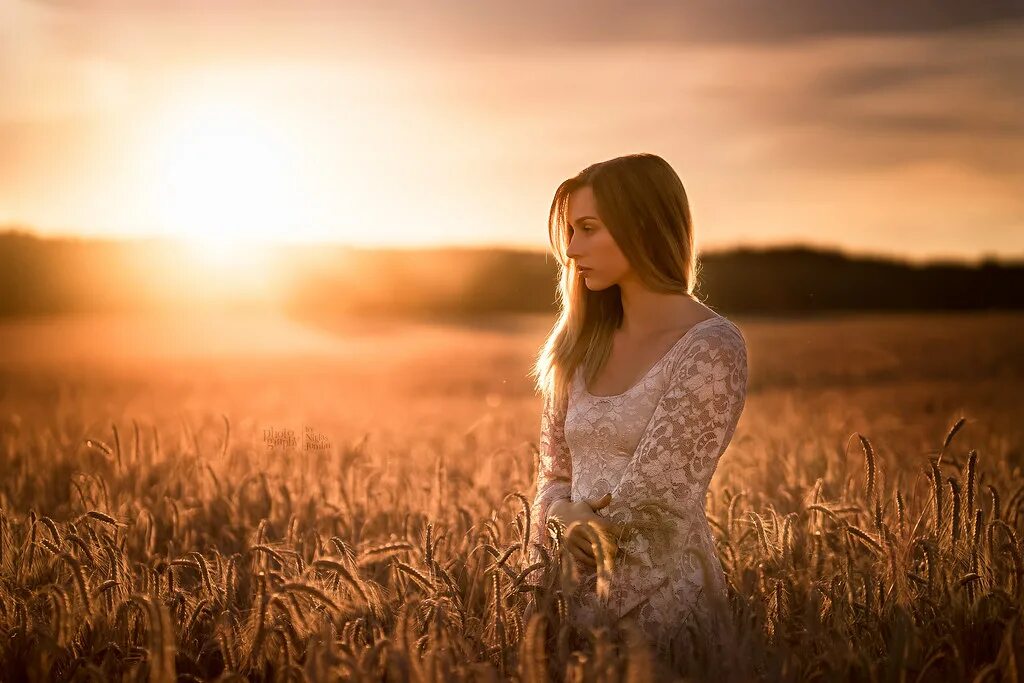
<point x="655" y="447"/>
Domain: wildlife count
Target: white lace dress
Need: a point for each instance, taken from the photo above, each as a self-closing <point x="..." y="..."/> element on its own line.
<point x="654" y="447"/>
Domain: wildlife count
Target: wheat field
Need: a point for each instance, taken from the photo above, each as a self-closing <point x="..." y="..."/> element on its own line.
<point x="255" y="499"/>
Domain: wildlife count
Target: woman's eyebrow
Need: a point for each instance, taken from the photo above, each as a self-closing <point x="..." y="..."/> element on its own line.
<point x="583" y="218"/>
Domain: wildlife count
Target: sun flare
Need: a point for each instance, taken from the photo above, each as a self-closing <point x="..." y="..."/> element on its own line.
<point x="226" y="173"/>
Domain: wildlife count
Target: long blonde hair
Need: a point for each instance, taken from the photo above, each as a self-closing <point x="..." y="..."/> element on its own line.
<point x="641" y="200"/>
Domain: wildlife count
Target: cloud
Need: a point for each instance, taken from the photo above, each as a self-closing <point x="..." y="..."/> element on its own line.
<point x="860" y="102"/>
<point x="856" y="79"/>
<point x="534" y="22"/>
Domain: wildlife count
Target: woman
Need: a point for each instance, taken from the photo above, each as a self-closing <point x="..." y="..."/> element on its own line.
<point x="643" y="387"/>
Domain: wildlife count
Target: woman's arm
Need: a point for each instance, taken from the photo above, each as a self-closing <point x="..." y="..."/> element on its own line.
<point x="554" y="471"/>
<point x="691" y="426"/>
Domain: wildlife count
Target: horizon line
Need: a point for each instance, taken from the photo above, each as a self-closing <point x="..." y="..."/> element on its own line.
<point x="15" y="228"/>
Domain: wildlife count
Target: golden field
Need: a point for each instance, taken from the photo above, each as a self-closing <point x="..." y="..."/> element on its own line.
<point x="155" y="523"/>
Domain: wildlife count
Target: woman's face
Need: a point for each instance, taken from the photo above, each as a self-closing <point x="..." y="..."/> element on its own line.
<point x="591" y="244"/>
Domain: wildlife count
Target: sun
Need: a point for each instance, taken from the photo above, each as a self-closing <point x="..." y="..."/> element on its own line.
<point x="226" y="173"/>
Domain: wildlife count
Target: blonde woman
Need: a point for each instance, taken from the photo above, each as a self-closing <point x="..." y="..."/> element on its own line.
<point x="643" y="386"/>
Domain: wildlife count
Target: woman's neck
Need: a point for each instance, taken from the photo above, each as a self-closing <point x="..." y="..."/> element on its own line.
<point x="645" y="312"/>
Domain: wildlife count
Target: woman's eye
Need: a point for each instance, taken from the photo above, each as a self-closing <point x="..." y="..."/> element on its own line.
<point x="582" y="228"/>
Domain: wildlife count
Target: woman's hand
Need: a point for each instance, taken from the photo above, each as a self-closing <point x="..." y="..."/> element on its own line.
<point x="577" y="539"/>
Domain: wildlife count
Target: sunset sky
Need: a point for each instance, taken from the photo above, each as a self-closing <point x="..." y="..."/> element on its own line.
<point x="892" y="128"/>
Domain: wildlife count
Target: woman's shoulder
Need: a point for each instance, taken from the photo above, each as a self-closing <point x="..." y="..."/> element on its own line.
<point x="731" y="328"/>
<point x="714" y="333"/>
<point x="718" y="328"/>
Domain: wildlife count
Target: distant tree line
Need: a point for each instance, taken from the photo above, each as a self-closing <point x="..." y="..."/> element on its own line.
<point x="58" y="275"/>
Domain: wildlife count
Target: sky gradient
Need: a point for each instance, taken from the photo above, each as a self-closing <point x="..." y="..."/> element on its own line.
<point x="866" y="126"/>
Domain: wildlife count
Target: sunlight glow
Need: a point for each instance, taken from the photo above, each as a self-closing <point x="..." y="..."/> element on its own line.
<point x="226" y="172"/>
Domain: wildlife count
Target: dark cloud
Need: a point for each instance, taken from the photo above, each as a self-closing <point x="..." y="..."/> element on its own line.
<point x="993" y="63"/>
<point x="739" y="20"/>
<point x="972" y="94"/>
<point x="499" y="24"/>
<point x="872" y="103"/>
<point x="938" y="123"/>
<point x="703" y="21"/>
<point x="866" y="79"/>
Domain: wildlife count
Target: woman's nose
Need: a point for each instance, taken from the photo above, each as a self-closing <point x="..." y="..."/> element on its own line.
<point x="570" y="251"/>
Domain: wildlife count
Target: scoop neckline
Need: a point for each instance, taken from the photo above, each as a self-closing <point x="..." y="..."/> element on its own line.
<point x="692" y="328"/>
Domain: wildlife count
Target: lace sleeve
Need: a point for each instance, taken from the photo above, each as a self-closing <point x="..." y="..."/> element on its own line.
<point x="554" y="471"/>
<point x="690" y="428"/>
